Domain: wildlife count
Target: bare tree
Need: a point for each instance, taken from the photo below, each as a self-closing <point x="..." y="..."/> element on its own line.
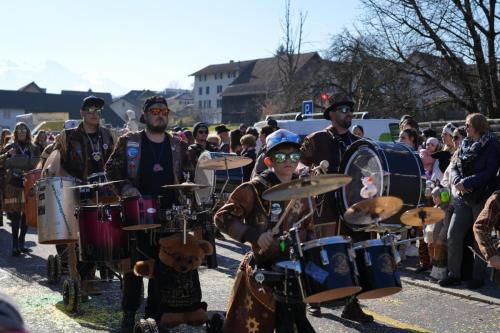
<point x="450" y="45"/>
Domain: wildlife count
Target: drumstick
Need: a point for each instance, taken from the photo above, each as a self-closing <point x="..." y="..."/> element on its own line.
<point x="276" y="228"/>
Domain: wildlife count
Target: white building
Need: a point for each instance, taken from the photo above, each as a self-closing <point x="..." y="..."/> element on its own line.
<point x="209" y="83"/>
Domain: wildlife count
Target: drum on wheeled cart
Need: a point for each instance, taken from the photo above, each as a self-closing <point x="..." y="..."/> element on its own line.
<point x="395" y="168"/>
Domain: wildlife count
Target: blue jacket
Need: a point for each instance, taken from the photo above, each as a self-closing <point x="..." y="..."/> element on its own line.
<point x="485" y="168"/>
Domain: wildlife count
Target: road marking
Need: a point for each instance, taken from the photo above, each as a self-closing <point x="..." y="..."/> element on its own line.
<point x="396" y="323"/>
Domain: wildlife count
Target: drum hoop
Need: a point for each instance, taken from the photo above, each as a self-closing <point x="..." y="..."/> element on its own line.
<point x="368" y="243"/>
<point x="325" y="241"/>
<point x="296" y="265"/>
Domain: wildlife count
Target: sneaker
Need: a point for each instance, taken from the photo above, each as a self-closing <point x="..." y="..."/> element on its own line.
<point x="449" y="282"/>
<point x="352" y="311"/>
<point x="16" y="253"/>
<point x="128" y="322"/>
<point x="475" y="284"/>
<point x="26" y="250"/>
<point x="314" y="309"/>
<point x="219" y="235"/>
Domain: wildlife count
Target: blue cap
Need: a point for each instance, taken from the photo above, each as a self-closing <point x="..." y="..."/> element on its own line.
<point x="280" y="137"/>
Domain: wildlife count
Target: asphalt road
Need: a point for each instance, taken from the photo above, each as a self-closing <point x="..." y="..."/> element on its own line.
<point x="414" y="309"/>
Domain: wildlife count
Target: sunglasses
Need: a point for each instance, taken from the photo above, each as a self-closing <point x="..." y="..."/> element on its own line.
<point x="157" y="111"/>
<point x="202" y="132"/>
<point x="93" y="109"/>
<point x="280" y="157"/>
<point x="344" y="109"/>
<point x="22" y="130"/>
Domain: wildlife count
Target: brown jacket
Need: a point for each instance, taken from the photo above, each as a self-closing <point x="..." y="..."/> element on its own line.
<point x="124" y="162"/>
<point x="488" y="219"/>
<point x="76" y="152"/>
<point x="325" y="145"/>
<point x="246" y="216"/>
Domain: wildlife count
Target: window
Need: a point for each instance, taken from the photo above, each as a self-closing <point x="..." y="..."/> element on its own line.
<point x="216" y="75"/>
<point x="204" y="104"/>
<point x="207" y="90"/>
<point x="234" y="74"/>
<point x="199" y="104"/>
<point x="228" y="75"/>
<point x="219" y="89"/>
<point x="219" y="103"/>
<point x="209" y="103"/>
<point x="221" y="75"/>
<point x="200" y="91"/>
<point x="205" y="77"/>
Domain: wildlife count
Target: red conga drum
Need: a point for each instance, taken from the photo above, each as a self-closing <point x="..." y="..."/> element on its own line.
<point x="30" y="206"/>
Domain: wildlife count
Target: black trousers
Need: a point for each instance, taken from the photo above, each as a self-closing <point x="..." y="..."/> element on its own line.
<point x="132" y="294"/>
<point x="18" y="223"/>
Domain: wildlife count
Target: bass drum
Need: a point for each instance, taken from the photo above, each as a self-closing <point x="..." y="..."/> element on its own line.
<point x="396" y="170"/>
<point x="216" y="179"/>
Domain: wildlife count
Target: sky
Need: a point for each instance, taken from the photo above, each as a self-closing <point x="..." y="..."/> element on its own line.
<point x="122" y="45"/>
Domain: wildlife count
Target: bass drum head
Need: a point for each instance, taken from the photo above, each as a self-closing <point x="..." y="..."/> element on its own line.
<point x="204" y="177"/>
<point x="396" y="170"/>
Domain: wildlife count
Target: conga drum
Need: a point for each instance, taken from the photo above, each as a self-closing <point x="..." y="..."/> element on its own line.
<point x="30" y="205"/>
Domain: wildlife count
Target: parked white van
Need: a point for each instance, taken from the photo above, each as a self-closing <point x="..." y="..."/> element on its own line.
<point x="376" y="129"/>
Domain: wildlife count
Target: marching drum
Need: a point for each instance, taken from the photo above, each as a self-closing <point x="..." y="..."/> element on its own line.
<point x="378" y="275"/>
<point x="57" y="223"/>
<point x="105" y="194"/>
<point x="140" y="213"/>
<point x="30" y="206"/>
<point x="101" y="236"/>
<point x="396" y="170"/>
<point x="216" y="179"/>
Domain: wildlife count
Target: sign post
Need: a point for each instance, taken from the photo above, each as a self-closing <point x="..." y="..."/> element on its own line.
<point x="307" y="108"/>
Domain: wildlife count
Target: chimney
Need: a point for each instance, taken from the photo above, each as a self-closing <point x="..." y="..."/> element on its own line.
<point x="231" y="61"/>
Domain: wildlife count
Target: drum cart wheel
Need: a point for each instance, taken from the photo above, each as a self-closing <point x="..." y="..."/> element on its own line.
<point x="146" y="326"/>
<point x="71" y="295"/>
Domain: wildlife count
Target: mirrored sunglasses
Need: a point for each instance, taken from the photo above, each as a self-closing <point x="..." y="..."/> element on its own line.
<point x="280" y="157"/>
<point x="156" y="111"/>
<point x="93" y="109"/>
<point x="22" y="130"/>
<point x="344" y="109"/>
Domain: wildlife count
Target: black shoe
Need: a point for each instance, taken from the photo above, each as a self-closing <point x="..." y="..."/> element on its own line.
<point x="314" y="310"/>
<point x="16" y="253"/>
<point x="128" y="322"/>
<point x="423" y="269"/>
<point x="475" y="284"/>
<point x="449" y="282"/>
<point x="219" y="235"/>
<point x="26" y="250"/>
<point x="352" y="311"/>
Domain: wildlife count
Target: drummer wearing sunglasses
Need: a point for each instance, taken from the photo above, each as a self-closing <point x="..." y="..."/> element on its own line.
<point x="330" y="145"/>
<point x="248" y="218"/>
<point x="145" y="161"/>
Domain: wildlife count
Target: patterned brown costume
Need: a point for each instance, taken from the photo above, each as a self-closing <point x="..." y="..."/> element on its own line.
<point x="245" y="217"/>
<point x="488" y="220"/>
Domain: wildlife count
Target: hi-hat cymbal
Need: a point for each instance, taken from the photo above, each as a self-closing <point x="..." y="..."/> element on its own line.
<point x="224" y="162"/>
<point x="366" y="211"/>
<point x="186" y="186"/>
<point x="418" y="217"/>
<point x="95" y="185"/>
<point x="306" y="187"/>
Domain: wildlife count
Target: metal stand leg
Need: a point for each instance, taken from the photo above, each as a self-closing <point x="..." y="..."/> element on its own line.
<point x="291" y="317"/>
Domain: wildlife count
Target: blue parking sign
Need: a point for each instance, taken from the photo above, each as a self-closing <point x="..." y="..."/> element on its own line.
<point x="307" y="108"/>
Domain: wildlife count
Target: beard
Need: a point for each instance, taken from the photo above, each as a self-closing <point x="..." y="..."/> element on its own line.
<point x="157" y="128"/>
<point x="345" y="123"/>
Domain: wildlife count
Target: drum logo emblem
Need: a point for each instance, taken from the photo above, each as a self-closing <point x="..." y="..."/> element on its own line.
<point x="151" y="210"/>
<point x="340" y="264"/>
<point x="276" y="209"/>
<point x="386" y="263"/>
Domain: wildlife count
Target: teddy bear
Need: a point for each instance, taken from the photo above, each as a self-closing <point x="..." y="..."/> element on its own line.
<point x="176" y="281"/>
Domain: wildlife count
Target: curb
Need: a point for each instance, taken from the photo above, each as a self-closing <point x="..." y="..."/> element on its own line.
<point x="485" y="299"/>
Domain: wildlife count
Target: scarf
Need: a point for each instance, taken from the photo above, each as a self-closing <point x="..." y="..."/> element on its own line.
<point x="470" y="150"/>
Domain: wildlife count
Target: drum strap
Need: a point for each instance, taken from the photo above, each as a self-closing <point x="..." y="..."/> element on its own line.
<point x="133" y="156"/>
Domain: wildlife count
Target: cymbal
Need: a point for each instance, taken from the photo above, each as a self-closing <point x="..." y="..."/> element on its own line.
<point x="306" y="187"/>
<point x="418" y="217"/>
<point x="186" y="186"/>
<point x="219" y="163"/>
<point x="364" y="212"/>
<point x="95" y="185"/>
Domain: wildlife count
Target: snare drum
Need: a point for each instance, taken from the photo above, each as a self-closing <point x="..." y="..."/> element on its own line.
<point x="101" y="236"/>
<point x="57" y="222"/>
<point x="140" y="213"/>
<point x="216" y="179"/>
<point x="396" y="171"/>
<point x="30" y="206"/>
<point x="378" y="274"/>
<point x="105" y="194"/>
<point x="328" y="269"/>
